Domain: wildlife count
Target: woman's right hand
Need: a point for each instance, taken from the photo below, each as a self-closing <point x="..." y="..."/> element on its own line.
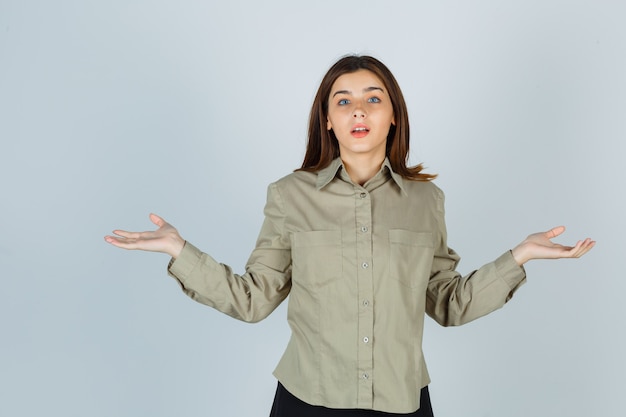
<point x="165" y="239"/>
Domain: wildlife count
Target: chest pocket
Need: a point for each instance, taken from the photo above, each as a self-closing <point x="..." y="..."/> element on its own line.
<point x="316" y="257"/>
<point x="410" y="257"/>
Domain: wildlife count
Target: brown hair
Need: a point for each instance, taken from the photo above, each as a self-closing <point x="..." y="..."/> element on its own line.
<point x="322" y="146"/>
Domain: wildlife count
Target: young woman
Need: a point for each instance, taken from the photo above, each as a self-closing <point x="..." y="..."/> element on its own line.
<point x="358" y="240"/>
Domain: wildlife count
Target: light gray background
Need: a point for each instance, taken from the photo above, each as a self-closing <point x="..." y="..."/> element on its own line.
<point x="112" y="109"/>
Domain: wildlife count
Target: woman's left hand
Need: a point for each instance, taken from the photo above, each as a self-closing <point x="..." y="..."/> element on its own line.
<point x="540" y="246"/>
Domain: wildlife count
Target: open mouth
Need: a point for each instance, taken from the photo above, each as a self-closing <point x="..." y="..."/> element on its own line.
<point x="360" y="128"/>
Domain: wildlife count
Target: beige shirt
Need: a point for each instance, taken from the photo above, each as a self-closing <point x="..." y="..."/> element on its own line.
<point x="362" y="264"/>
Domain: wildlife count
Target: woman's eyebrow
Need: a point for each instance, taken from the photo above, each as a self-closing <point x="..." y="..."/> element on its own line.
<point x="365" y="90"/>
<point x="368" y="89"/>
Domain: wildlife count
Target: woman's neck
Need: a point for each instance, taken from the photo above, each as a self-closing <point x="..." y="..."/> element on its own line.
<point x="362" y="169"/>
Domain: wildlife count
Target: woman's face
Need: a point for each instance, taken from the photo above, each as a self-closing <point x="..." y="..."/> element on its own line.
<point x="360" y="114"/>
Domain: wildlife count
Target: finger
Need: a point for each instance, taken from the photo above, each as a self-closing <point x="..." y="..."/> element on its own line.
<point x="127" y="235"/>
<point x="590" y="246"/>
<point x="585" y="247"/>
<point x="157" y="220"/>
<point x="555" y="231"/>
<point x="579" y="249"/>
<point x="120" y="242"/>
<point x="572" y="253"/>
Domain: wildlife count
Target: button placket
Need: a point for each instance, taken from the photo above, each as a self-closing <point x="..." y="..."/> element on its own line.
<point x="365" y="288"/>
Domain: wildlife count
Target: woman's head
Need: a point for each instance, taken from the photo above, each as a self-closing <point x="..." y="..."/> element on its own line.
<point x="322" y="146"/>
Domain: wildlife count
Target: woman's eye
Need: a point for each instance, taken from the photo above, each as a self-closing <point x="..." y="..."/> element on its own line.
<point x="374" y="100"/>
<point x="343" y="102"/>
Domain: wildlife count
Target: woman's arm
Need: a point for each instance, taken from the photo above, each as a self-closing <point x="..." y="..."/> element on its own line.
<point x="250" y="296"/>
<point x="453" y="299"/>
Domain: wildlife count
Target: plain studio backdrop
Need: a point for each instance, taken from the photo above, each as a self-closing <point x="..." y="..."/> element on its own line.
<point x="110" y="110"/>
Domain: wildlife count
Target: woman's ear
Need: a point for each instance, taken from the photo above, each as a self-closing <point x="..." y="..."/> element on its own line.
<point x="329" y="125"/>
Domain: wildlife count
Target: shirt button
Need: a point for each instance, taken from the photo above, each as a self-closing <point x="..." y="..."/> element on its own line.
<point x="365" y="265"/>
<point x="366" y="339"/>
<point x="366" y="303"/>
<point x="365" y="375"/>
<point x="364" y="229"/>
<point x="363" y="195"/>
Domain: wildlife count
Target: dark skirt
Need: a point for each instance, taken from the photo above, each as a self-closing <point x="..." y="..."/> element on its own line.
<point x="287" y="405"/>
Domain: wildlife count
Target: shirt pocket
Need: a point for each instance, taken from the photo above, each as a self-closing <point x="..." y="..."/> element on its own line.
<point x="316" y="257"/>
<point x="410" y="257"/>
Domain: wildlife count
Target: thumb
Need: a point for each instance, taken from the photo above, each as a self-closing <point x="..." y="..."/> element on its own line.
<point x="157" y="220"/>
<point x="555" y="231"/>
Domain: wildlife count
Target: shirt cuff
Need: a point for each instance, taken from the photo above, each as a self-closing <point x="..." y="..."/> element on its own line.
<point x="187" y="261"/>
<point x="510" y="272"/>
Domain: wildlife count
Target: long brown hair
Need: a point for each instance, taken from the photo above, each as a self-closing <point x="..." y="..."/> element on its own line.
<point x="322" y="146"/>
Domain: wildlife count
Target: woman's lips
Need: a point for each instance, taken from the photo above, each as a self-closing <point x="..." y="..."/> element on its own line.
<point x="360" y="130"/>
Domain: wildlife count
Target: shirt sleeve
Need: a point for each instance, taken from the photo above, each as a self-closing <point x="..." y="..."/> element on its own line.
<point x="452" y="299"/>
<point x="253" y="295"/>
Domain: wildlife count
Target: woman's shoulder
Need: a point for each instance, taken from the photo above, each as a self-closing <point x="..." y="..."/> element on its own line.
<point x="297" y="178"/>
<point x="297" y="181"/>
<point x="422" y="189"/>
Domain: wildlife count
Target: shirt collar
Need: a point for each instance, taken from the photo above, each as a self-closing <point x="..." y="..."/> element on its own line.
<point x="397" y="178"/>
<point x="326" y="175"/>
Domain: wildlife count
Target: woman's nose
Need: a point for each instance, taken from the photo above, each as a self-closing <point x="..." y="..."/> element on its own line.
<point x="358" y="113"/>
